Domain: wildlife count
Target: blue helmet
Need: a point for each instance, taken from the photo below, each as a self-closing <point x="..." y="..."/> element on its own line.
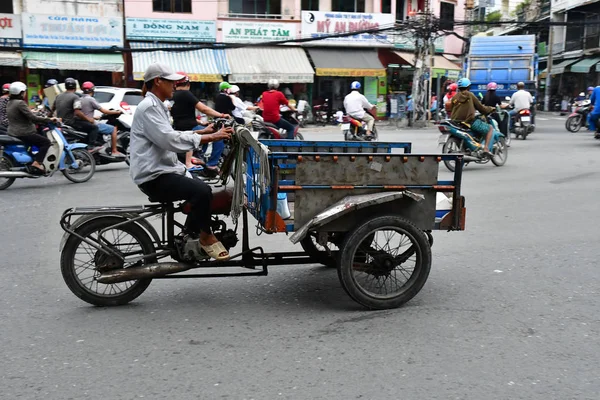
<point x="355" y="85"/>
<point x="463" y="83"/>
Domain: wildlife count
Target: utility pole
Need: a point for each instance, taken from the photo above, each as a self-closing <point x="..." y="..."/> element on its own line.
<point x="549" y="68"/>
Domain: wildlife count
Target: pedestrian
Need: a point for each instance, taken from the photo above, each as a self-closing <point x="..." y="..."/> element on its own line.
<point x="410" y="108"/>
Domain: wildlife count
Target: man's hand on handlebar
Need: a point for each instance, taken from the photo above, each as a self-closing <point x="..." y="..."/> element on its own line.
<point x="222" y="134"/>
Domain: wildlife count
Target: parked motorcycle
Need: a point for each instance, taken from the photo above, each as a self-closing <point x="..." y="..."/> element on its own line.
<point x="579" y="118"/>
<point x="355" y="129"/>
<point x="72" y="159"/>
<point x="454" y="139"/>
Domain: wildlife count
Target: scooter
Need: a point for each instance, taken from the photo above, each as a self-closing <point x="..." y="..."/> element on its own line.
<point x="267" y="130"/>
<point x="579" y="117"/>
<point x="456" y="138"/>
<point x="72" y="159"/>
<point x="355" y="129"/>
<point x="522" y="125"/>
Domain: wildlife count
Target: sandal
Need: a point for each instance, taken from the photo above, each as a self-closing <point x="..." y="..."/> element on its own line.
<point x="216" y="251"/>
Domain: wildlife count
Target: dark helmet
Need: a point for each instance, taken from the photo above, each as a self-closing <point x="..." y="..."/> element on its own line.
<point x="70" y="84"/>
<point x="51" y="82"/>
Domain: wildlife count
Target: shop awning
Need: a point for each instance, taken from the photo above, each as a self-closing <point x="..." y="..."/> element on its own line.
<point x="10" y="59"/>
<point x="558" y="68"/>
<point x="584" y="66"/>
<point x="341" y="62"/>
<point x="406" y="56"/>
<point x="201" y="65"/>
<point x="76" y="61"/>
<point x="259" y="64"/>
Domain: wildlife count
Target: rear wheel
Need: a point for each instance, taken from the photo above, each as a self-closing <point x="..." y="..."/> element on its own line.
<point x="6" y="165"/>
<point x="81" y="264"/>
<point x="573" y="123"/>
<point x="384" y="262"/>
<point x="299" y="136"/>
<point x="86" y="166"/>
<point x="452" y="146"/>
<point x="500" y="152"/>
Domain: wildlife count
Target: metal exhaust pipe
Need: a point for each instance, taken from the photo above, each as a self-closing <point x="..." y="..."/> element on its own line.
<point x="143" y="272"/>
<point x="17" y="174"/>
<point x="471" y="158"/>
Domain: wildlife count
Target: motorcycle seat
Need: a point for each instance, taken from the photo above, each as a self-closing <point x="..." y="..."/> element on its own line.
<point x="221" y="202"/>
<point x="6" y="139"/>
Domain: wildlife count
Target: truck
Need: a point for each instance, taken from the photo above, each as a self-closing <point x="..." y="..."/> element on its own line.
<point x="505" y="60"/>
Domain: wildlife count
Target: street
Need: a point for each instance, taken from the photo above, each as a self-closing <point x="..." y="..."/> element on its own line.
<point x="509" y="310"/>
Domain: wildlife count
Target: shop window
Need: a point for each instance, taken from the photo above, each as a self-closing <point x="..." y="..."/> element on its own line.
<point x="172" y="6"/>
<point x="6" y="7"/>
<point x="310" y="5"/>
<point x="386" y="6"/>
<point x="399" y="10"/>
<point x="447" y="16"/>
<point x="348" y="5"/>
<point x="255" y="7"/>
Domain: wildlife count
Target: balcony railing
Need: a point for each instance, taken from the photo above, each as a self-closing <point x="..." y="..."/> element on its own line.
<point x="574" y="45"/>
<point x="253" y="16"/>
<point x="592" y="42"/>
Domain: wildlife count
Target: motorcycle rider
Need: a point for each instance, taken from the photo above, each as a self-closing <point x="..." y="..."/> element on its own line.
<point x="452" y="89"/>
<point x="272" y="99"/>
<point x="355" y="104"/>
<point x="68" y="107"/>
<point x="88" y="105"/>
<point x="595" y="114"/>
<point x="223" y="102"/>
<point x="49" y="83"/>
<point x="155" y="168"/>
<point x="463" y="106"/>
<point x="183" y="112"/>
<point x="491" y="98"/>
<point x="3" y="103"/>
<point x="22" y="125"/>
<point x="240" y="106"/>
<point x="521" y="100"/>
<point x="589" y="91"/>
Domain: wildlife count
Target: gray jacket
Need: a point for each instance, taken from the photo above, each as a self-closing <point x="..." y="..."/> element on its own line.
<point x="154" y="143"/>
<point x="21" y="120"/>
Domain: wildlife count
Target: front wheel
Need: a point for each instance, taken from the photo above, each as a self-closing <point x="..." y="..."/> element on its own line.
<point x="573" y="123"/>
<point x="6" y="165"/>
<point x="384" y="262"/>
<point x="86" y="166"/>
<point x="452" y="145"/>
<point x="299" y="136"/>
<point x="500" y="152"/>
<point x="81" y="263"/>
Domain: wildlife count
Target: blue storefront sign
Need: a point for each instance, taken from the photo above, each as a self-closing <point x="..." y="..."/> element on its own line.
<point x="10" y="30"/>
<point x="170" y="30"/>
<point x="41" y="30"/>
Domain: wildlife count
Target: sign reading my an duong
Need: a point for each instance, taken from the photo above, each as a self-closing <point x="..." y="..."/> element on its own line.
<point x="170" y="30"/>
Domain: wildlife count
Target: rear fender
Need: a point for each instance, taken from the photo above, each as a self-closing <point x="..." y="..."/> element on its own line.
<point x="87" y="218"/>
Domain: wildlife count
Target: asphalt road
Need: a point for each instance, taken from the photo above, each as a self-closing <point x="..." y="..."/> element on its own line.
<point x="510" y="310"/>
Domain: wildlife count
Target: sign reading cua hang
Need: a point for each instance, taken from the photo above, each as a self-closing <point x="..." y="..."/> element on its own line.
<point x="42" y="30"/>
<point x="318" y="24"/>
<point x="10" y="30"/>
<point x="170" y="30"/>
<point x="244" y="32"/>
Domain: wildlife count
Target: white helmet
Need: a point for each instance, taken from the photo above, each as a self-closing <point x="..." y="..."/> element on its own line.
<point x="17" y="88"/>
<point x="234" y="89"/>
<point x="273" y="84"/>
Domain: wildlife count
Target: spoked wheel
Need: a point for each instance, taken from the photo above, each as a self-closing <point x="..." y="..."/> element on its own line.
<point x="384" y="262"/>
<point x="323" y="255"/>
<point x="500" y="152"/>
<point x="573" y="124"/>
<point x="81" y="263"/>
<point x="452" y="145"/>
<point x="6" y="165"/>
<point x="86" y="166"/>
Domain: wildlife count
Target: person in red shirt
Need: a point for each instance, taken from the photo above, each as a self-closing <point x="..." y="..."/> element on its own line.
<point x="271" y="100"/>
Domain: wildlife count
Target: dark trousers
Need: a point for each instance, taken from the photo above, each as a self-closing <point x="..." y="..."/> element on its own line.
<point x="89" y="128"/>
<point x="173" y="187"/>
<point x="283" y="124"/>
<point x="41" y="142"/>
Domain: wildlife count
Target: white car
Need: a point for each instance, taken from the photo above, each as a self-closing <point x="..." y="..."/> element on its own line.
<point x="123" y="99"/>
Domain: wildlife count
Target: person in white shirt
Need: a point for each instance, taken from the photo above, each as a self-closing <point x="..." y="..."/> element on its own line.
<point x="521" y="100"/>
<point x="240" y="106"/>
<point x="355" y="104"/>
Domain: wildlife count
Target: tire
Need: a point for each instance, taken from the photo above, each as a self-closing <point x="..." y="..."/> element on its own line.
<point x="500" y="152"/>
<point x="299" y="136"/>
<point x="6" y="165"/>
<point x="84" y="159"/>
<point x="318" y="253"/>
<point x="451" y="145"/>
<point x="69" y="270"/>
<point x="573" y="124"/>
<point x="362" y="253"/>
<point x="127" y="156"/>
<point x="508" y="137"/>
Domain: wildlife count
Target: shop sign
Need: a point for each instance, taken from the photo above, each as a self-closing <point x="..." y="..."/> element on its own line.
<point x="406" y="41"/>
<point x="170" y="30"/>
<point x="41" y="30"/>
<point x="241" y="32"/>
<point x="349" y="72"/>
<point x="10" y="30"/>
<point x="264" y="78"/>
<point x="318" y="24"/>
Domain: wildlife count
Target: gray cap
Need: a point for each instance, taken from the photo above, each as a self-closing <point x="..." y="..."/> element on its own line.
<point x="159" y="70"/>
